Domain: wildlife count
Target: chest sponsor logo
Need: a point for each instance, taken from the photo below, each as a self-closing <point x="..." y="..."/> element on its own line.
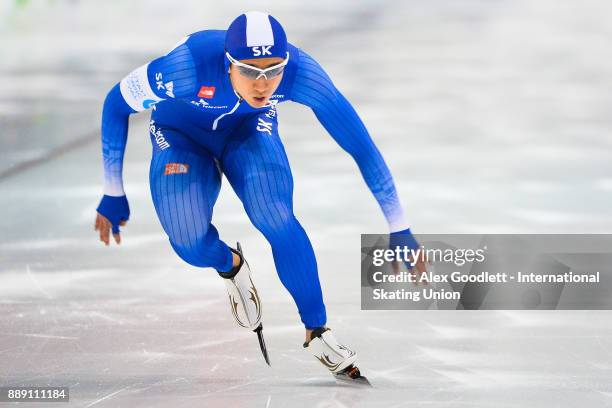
<point x="176" y="168"/>
<point x="207" y="92"/>
<point x="167" y="87"/>
<point x="203" y="104"/>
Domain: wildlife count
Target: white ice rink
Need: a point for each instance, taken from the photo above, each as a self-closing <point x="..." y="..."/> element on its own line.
<point x="494" y="117"/>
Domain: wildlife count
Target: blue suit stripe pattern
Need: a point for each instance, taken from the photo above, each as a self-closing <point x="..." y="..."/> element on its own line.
<point x="184" y="204"/>
<point x="314" y="88"/>
<point x="256" y="165"/>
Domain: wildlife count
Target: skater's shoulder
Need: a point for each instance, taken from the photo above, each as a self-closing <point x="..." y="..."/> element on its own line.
<point x="205" y="43"/>
<point x="306" y="64"/>
<point x="206" y="38"/>
<point x="198" y="54"/>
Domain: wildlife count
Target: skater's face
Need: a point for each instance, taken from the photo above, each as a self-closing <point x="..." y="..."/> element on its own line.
<point x="258" y="91"/>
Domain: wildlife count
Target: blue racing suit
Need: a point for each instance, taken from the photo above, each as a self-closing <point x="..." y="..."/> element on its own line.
<point x="201" y="128"/>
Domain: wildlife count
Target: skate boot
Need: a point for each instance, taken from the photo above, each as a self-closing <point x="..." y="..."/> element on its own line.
<point x="338" y="359"/>
<point x="244" y="299"/>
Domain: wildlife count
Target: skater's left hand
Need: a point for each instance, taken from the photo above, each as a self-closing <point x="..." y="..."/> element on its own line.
<point x="406" y="239"/>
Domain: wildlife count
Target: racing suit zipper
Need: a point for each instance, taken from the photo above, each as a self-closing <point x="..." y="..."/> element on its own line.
<point x="216" y="122"/>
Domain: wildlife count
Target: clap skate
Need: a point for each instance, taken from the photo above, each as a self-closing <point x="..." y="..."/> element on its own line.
<point x="244" y="299"/>
<point x="338" y="359"/>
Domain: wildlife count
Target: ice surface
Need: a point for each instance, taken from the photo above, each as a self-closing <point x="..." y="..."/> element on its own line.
<point x="494" y="117"/>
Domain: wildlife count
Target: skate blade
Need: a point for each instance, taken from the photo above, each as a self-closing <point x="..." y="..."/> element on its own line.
<point x="357" y="379"/>
<point x="262" y="343"/>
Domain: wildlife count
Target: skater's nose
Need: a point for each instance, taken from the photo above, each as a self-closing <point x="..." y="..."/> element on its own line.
<point x="260" y="85"/>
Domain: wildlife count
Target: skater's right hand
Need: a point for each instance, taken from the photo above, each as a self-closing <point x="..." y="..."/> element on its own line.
<point x="406" y="239"/>
<point x="113" y="212"/>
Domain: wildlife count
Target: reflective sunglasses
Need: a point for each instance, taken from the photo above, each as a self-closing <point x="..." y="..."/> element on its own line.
<point x="255" y="73"/>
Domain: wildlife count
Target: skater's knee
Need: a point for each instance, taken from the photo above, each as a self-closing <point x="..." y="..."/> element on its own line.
<point x="196" y="253"/>
<point x="189" y="255"/>
<point x="273" y="221"/>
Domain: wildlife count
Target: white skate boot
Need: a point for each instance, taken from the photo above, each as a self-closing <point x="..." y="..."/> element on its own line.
<point x="244" y="299"/>
<point x="339" y="359"/>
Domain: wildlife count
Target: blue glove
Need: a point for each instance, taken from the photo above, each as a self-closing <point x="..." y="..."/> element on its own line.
<point x="403" y="239"/>
<point x="116" y="209"/>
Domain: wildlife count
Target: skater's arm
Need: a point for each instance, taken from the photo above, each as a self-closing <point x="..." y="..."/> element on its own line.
<point x="115" y="116"/>
<point x="314" y="88"/>
<point x="170" y="76"/>
<point x="113" y="210"/>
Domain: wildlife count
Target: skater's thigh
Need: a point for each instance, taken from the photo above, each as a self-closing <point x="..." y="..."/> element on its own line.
<point x="256" y="165"/>
<point x="185" y="184"/>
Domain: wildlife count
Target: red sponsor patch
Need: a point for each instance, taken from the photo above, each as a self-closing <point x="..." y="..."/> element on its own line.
<point x="176" y="168"/>
<point x="207" y="92"/>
